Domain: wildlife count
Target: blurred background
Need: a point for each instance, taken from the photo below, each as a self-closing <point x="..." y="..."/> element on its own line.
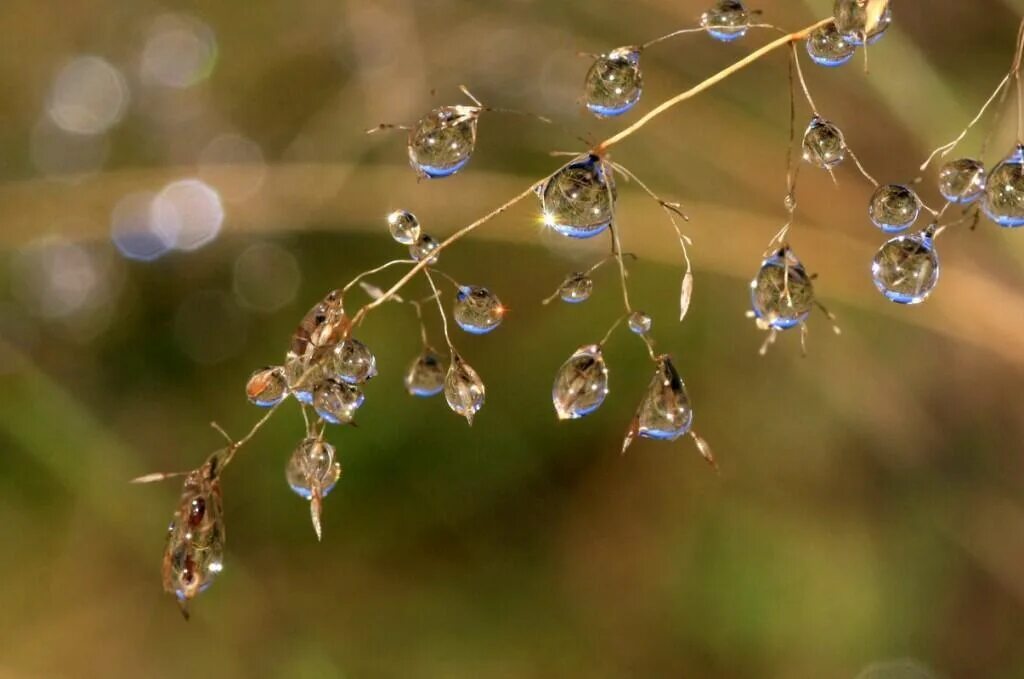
<point x="180" y="182"/>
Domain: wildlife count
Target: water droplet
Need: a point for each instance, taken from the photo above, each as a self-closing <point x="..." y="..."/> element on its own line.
<point x="823" y="144"/>
<point x="442" y="142"/>
<point x="194" y="554"/>
<point x="665" y="413"/>
<point x="827" y="47"/>
<point x="312" y="469"/>
<point x="782" y="294"/>
<point x="851" y="17"/>
<point x="640" y="323"/>
<point x="323" y="326"/>
<point x="579" y="199"/>
<point x="267" y="387"/>
<point x="581" y="384"/>
<point x="463" y="389"/>
<point x="576" y="288"/>
<point x="425" y="376"/>
<point x="404" y="227"/>
<point x="477" y="310"/>
<point x="727" y="20"/>
<point x="303" y="375"/>
<point x="962" y="180"/>
<point x="353" y="362"/>
<point x="337" y="402"/>
<point x="1004" y="191"/>
<point x="906" y="268"/>
<point x="894" y="207"/>
<point x="614" y="83"/>
<point x="424" y="248"/>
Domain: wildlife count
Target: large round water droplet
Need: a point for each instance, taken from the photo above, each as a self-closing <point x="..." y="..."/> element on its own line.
<point x="442" y="142"/>
<point x="581" y="384"/>
<point x="463" y="389"/>
<point x="353" y="362"/>
<point x="1004" y="191"/>
<point x="665" y="413"/>
<point x="424" y="248"/>
<point x="578" y="200"/>
<point x="312" y="468"/>
<point x="894" y="207"/>
<point x="727" y="20"/>
<point x="906" y="268"/>
<point x="614" y="83"/>
<point x="404" y="227"/>
<point x="823" y="144"/>
<point x="827" y="47"/>
<point x="425" y="376"/>
<point x="640" y="323"/>
<point x="851" y="17"/>
<point x="576" y="288"/>
<point x="267" y="387"/>
<point x="962" y="180"/>
<point x="336" y="401"/>
<point x="303" y="375"/>
<point x="782" y="294"/>
<point x="477" y="310"/>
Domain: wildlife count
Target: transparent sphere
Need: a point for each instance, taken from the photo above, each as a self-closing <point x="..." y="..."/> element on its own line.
<point x="337" y="402"/>
<point x="312" y="469"/>
<point x="906" y="268"/>
<point x="962" y="180"/>
<point x="727" y="20"/>
<point x="823" y="144"/>
<point x="194" y="554"/>
<point x="404" y="227"/>
<point x="425" y="376"/>
<point x="578" y="201"/>
<point x="665" y="413"/>
<point x="303" y="375"/>
<point x="894" y="207"/>
<point x="477" y="310"/>
<point x="576" y="288"/>
<point x="614" y="83"/>
<point x="581" y="384"/>
<point x="851" y="17"/>
<point x="1004" y="191"/>
<point x="463" y="389"/>
<point x="424" y="248"/>
<point x="640" y="323"/>
<point x="782" y="294"/>
<point x="353" y="362"/>
<point x="267" y="387"/>
<point x="442" y="142"/>
<point x="827" y="47"/>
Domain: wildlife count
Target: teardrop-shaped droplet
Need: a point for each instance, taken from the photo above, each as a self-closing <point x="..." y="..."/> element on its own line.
<point x="577" y="287"/>
<point x="578" y="200"/>
<point x="640" y="323"/>
<point x="442" y="142"/>
<point x="312" y="469"/>
<point x="267" y="387"/>
<point x="727" y="20"/>
<point x="194" y="554"/>
<point x="424" y="248"/>
<point x="353" y="362"/>
<point x="665" y="413"/>
<point x="823" y="144"/>
<point x="404" y="227"/>
<point x="827" y="47"/>
<point x="323" y="326"/>
<point x="425" y="376"/>
<point x="614" y="83"/>
<point x="336" y="401"/>
<point x="581" y="384"/>
<point x="1004" y="191"/>
<point x="906" y="268"/>
<point x="478" y="311"/>
<point x="962" y="180"/>
<point x="851" y="20"/>
<point x="463" y="389"/>
<point x="782" y="294"/>
<point x="894" y="208"/>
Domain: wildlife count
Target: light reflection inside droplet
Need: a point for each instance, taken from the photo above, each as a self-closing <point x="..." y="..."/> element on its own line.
<point x="88" y="96"/>
<point x="180" y="51"/>
<point x="134" y="231"/>
<point x="266" y="277"/>
<point x="190" y="210"/>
